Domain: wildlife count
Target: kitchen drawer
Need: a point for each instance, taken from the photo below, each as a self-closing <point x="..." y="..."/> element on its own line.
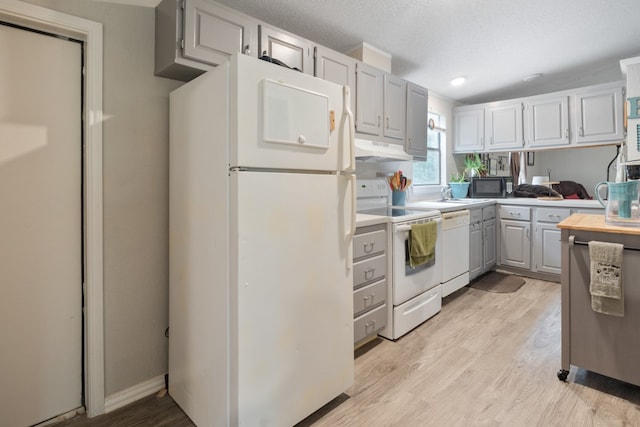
<point x="521" y="213"/>
<point x="368" y="244"/>
<point x="369" y="323"/>
<point x="488" y="212"/>
<point x="412" y="313"/>
<point x="553" y="215"/>
<point x="369" y="296"/>
<point x="369" y="270"/>
<point x="475" y="215"/>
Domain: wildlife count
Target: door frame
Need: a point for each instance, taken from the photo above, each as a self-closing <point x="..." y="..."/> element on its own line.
<point x="90" y="33"/>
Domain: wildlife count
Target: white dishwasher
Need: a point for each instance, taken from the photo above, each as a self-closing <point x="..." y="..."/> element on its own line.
<point x="455" y="251"/>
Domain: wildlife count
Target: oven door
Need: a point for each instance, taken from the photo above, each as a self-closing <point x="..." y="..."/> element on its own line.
<point x="409" y="282"/>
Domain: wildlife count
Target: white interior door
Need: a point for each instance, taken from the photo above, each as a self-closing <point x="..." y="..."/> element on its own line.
<point x="41" y="227"/>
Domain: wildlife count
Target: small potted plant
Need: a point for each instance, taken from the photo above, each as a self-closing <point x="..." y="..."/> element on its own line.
<point x="459" y="186"/>
<point x="474" y="166"/>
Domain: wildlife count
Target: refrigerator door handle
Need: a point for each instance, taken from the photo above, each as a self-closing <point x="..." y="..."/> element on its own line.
<point x="352" y="228"/>
<point x="348" y="114"/>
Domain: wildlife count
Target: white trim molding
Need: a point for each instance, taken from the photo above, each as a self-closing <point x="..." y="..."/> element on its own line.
<point x="132" y="394"/>
<point x="31" y="16"/>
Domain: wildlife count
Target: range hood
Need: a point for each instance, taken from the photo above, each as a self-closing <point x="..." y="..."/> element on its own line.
<point x="376" y="151"/>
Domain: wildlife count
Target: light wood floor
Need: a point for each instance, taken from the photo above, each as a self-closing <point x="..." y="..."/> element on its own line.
<point x="486" y="359"/>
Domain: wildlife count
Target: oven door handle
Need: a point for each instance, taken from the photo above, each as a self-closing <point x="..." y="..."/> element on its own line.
<point x="408" y="227"/>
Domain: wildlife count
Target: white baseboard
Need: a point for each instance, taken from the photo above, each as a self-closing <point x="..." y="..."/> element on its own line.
<point x="131" y="394"/>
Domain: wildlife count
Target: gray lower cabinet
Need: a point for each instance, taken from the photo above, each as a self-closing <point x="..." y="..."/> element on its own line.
<point x="489" y="233"/>
<point x="475" y="244"/>
<point x="608" y="345"/>
<point x="369" y="281"/>
<point x="515" y="236"/>
<point x="547" y="240"/>
<point x="192" y="36"/>
<point x="482" y="240"/>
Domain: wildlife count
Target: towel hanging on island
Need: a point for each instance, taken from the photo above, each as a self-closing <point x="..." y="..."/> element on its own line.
<point x="607" y="292"/>
<point x="422" y="243"/>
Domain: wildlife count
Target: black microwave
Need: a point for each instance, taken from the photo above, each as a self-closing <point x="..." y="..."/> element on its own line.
<point x="491" y="187"/>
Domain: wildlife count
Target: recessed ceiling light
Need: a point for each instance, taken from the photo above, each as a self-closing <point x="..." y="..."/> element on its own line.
<point x="531" y="77"/>
<point x="458" y="81"/>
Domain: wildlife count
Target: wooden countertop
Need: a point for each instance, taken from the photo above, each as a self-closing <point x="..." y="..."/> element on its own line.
<point x="595" y="223"/>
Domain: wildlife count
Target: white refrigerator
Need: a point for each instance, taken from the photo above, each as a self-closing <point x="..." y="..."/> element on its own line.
<point x="262" y="217"/>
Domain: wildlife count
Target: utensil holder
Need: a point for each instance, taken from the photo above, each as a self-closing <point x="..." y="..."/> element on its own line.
<point x="398" y="198"/>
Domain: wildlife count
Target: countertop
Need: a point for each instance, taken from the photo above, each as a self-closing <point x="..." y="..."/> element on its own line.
<point x="363" y="220"/>
<point x="595" y="223"/>
<point x="563" y="203"/>
<point x="458" y="204"/>
<point x="451" y="205"/>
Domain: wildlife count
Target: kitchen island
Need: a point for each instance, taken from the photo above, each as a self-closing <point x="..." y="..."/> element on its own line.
<point x="602" y="343"/>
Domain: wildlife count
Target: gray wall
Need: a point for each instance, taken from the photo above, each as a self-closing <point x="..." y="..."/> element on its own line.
<point x="588" y="166"/>
<point x="136" y="168"/>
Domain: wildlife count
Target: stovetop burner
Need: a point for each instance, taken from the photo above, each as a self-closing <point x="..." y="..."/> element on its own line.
<point x="392" y="211"/>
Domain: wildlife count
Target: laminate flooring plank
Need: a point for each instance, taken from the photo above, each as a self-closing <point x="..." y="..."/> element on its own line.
<point x="487" y="359"/>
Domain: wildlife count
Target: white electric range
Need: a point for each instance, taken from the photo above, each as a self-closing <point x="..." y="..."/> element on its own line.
<point x="415" y="293"/>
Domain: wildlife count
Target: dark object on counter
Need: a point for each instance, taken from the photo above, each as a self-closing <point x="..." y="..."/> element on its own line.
<point x="277" y="62"/>
<point x="633" y="171"/>
<point x="528" y="190"/>
<point x="571" y="188"/>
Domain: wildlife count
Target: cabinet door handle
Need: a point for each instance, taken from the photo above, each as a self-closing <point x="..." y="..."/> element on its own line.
<point x="387" y="122"/>
<point x="581" y="131"/>
<point x="378" y="121"/>
<point x="247" y="50"/>
<point x="566" y="133"/>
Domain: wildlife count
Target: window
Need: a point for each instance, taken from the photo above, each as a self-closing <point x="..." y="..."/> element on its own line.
<point x="428" y="172"/>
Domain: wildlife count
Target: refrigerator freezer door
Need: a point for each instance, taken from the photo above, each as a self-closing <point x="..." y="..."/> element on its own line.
<point x="293" y="284"/>
<point x="283" y="119"/>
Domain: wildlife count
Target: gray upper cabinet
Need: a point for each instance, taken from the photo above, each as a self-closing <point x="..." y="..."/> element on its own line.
<point x="337" y="68"/>
<point x="381" y="103"/>
<point x="192" y="36"/>
<point x="417" y="111"/>
<point x="369" y="83"/>
<point x="291" y="50"/>
<point x="599" y="115"/>
<point x="503" y="126"/>
<point x="547" y="121"/>
<point x="469" y="129"/>
<point x="395" y="105"/>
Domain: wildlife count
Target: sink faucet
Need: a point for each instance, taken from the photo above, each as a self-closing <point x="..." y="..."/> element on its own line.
<point x="445" y="193"/>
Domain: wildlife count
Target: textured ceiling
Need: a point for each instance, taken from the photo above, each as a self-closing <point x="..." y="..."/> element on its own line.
<point x="494" y="43"/>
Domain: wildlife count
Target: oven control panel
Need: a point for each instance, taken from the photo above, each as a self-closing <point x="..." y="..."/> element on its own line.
<point x="372" y="188"/>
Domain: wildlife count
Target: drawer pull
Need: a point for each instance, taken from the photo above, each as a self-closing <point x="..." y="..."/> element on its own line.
<point x="369" y="273"/>
<point x="369" y="324"/>
<point x="514" y="213"/>
<point x="368" y="300"/>
<point x="368" y="247"/>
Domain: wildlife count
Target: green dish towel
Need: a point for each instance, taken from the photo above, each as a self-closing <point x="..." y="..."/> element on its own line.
<point x="422" y="243"/>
